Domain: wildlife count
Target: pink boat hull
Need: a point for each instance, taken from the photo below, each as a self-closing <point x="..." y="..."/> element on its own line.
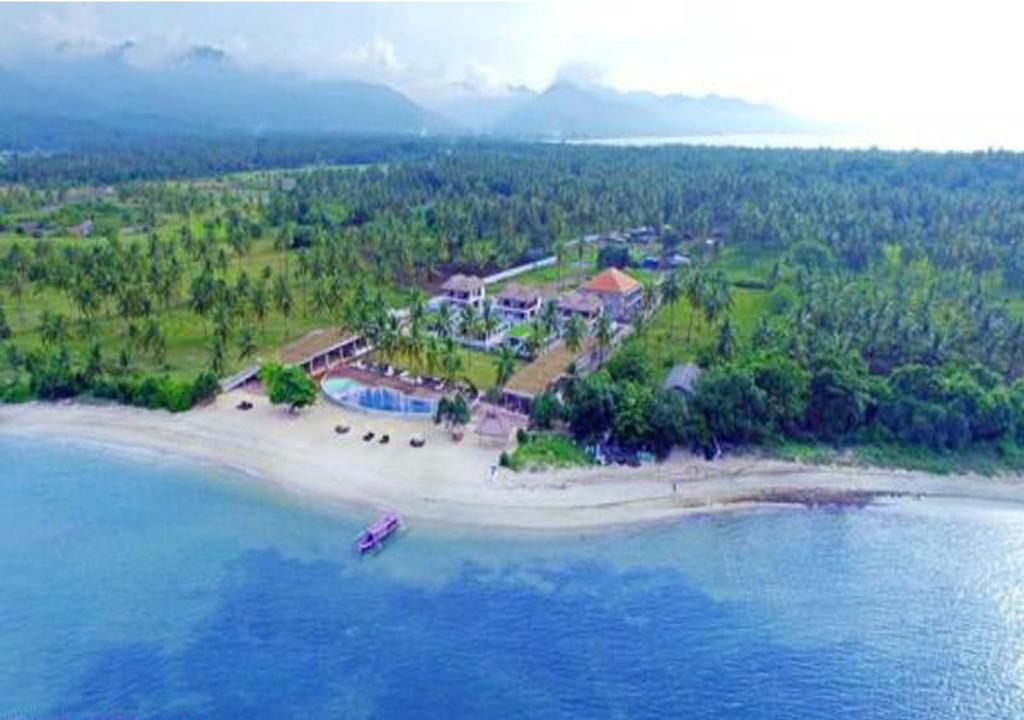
<point x="375" y="534"/>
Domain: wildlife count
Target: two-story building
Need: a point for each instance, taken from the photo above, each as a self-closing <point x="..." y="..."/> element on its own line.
<point x="519" y="303"/>
<point x="587" y="307"/>
<point x="620" y="294"/>
<point x="462" y="290"/>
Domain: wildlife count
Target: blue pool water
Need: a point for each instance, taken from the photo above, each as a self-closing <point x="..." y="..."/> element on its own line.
<point x="351" y="393"/>
<point x="142" y="589"/>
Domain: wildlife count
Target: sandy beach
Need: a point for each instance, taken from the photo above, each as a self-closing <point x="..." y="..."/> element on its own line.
<point x="449" y="483"/>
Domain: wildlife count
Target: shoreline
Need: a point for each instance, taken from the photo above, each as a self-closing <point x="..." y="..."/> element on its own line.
<point x="448" y="484"/>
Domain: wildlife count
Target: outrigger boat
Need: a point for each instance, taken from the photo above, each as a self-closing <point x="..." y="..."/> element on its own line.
<point x="373" y="537"/>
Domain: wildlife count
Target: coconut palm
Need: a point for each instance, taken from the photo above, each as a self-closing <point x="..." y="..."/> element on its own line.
<point x="443" y="323"/>
<point x="604" y="335"/>
<point x="670" y="294"/>
<point x="560" y="250"/>
<point x="574" y="331"/>
<point x="505" y="365"/>
<point x="489" y="320"/>
<point x="537" y="338"/>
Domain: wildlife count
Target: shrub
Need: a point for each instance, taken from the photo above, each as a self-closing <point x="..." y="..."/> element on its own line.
<point x="288" y="385"/>
<point x="633" y="363"/>
<point x="205" y="387"/>
<point x="545" y="410"/>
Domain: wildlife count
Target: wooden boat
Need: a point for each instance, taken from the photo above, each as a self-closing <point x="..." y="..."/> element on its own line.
<point x="373" y="537"/>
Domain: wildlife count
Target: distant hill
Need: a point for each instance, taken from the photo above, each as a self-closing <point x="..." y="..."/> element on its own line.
<point x="76" y="102"/>
<point x="201" y="92"/>
<point x="566" y="110"/>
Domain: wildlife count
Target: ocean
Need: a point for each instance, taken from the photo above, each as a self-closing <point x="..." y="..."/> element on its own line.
<point x="134" y="587"/>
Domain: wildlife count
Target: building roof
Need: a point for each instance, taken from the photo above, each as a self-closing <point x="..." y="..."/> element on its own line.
<point x="682" y="377"/>
<point x="575" y="301"/>
<point x="535" y="378"/>
<point x="519" y="293"/>
<point x="463" y="283"/>
<point x="494" y="425"/>
<point x="612" y="281"/>
<point x="312" y="344"/>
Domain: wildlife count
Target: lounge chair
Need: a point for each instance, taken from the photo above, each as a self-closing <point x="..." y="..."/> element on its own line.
<point x="385" y="439"/>
<point x="368" y="437"/>
<point x="341" y="429"/>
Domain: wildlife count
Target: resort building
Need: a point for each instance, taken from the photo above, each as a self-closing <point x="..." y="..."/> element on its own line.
<point x="519" y="303"/>
<point x="318" y="351"/>
<point x="586" y="306"/>
<point x="620" y="294"/>
<point x="462" y="290"/>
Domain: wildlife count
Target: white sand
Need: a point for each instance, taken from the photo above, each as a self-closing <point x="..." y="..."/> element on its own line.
<point x="446" y="482"/>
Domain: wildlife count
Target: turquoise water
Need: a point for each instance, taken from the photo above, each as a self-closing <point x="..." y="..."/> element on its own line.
<point x="139" y="588"/>
<point x="351" y="393"/>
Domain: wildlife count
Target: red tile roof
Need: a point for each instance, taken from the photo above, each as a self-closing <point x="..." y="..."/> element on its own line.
<point x="612" y="281"/>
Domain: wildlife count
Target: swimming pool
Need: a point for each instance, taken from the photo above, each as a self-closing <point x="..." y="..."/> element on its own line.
<point x="352" y="393"/>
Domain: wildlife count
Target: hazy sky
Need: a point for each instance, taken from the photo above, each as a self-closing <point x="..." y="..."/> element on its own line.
<point x="892" y="63"/>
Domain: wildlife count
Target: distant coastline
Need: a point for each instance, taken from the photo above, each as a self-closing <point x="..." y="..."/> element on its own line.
<point x="448" y="484"/>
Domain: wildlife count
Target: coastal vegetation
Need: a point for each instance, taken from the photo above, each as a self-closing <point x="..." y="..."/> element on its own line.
<point x="840" y="299"/>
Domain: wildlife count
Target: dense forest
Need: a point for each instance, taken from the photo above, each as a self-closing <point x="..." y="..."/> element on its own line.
<point x="864" y="297"/>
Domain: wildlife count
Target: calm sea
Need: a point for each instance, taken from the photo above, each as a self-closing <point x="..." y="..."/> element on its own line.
<point x="134" y="588"/>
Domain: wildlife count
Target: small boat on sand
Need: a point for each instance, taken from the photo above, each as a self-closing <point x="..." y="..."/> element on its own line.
<point x="373" y="537"/>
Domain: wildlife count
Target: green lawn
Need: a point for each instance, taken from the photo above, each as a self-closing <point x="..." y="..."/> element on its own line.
<point x="669" y="337"/>
<point x="548" y="450"/>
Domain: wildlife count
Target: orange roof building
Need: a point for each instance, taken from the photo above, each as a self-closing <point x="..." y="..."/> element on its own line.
<point x="620" y="293"/>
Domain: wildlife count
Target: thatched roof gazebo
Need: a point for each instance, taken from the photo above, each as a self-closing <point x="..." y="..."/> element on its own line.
<point x="494" y="427"/>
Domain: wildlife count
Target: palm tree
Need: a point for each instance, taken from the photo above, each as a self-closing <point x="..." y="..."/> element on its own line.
<point x="560" y="251"/>
<point x="246" y="344"/>
<point x="549" y="316"/>
<point x="443" y="324"/>
<point x="451" y="362"/>
<point x="432" y="354"/>
<point x="695" y="291"/>
<point x="537" y="338"/>
<point x="574" y="331"/>
<point x="259" y="302"/>
<point x="670" y="294"/>
<point x="468" y="322"/>
<point x="718" y="298"/>
<point x="726" y="344"/>
<point x="604" y="335"/>
<point x="489" y="321"/>
<point x="283" y="300"/>
<point x="505" y="365"/>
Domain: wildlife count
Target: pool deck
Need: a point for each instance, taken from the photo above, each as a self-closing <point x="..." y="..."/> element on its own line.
<point x="371" y="379"/>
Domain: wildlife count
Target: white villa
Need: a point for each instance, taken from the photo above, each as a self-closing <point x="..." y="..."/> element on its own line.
<point x="462" y="290"/>
<point x="519" y="303"/>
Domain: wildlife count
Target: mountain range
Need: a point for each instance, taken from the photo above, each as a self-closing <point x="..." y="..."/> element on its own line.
<point x="50" y="102"/>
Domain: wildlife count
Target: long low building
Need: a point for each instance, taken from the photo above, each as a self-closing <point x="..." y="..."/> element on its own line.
<point x="319" y="350"/>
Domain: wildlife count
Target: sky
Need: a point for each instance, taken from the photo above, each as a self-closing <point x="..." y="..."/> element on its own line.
<point x="898" y="65"/>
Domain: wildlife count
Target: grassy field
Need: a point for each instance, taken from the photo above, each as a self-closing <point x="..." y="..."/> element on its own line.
<point x="187" y="338"/>
<point x="669" y="336"/>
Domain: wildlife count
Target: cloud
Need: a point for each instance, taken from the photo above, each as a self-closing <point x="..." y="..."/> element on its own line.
<point x="581" y="73"/>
